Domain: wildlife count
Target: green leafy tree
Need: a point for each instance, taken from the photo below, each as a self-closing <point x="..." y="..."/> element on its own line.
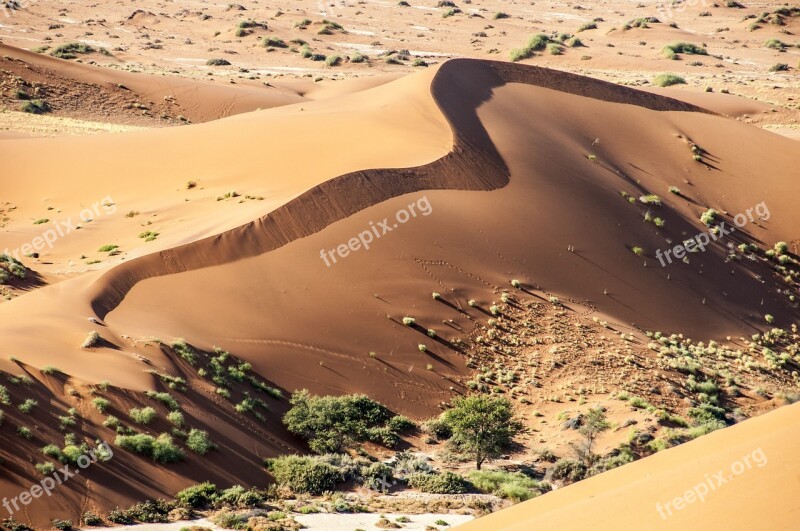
<point x="594" y="423"/>
<point x="482" y="427"/>
<point x="330" y="424"/>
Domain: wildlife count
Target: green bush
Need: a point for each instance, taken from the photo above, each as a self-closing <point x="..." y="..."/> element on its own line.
<point x="667" y="80"/>
<point x="331" y="423"/>
<point x="509" y="485"/>
<point x="70" y="50"/>
<point x="35" y="107"/>
<point x="143" y="416"/>
<point x="166" y="399"/>
<point x="151" y="511"/>
<point x="101" y="404"/>
<point x="141" y="443"/>
<point x="199" y="443"/>
<point x="304" y="474"/>
<point x="775" y="44"/>
<point x="5" y="398"/>
<point x="198" y="496"/>
<point x="274" y="42"/>
<point x="536" y="43"/>
<point x="568" y="470"/>
<point x="9" y="267"/>
<point x="184" y="350"/>
<point x="28" y="405"/>
<point x="672" y="50"/>
<point x="238" y="496"/>
<point x="165" y="451"/>
<point x="444" y="483"/>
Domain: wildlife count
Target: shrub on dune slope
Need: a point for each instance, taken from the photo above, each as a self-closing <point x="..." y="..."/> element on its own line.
<point x="330" y="423"/>
<point x="667" y="80"/>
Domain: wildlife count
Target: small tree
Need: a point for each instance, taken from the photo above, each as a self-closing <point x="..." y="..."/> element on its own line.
<point x="594" y="424"/>
<point x="482" y="427"/>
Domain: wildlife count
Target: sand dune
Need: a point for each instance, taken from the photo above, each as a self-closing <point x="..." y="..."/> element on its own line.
<point x="92" y="92"/>
<point x="730" y="475"/>
<point x="507" y="166"/>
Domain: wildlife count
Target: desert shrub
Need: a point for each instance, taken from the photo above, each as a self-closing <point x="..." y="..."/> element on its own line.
<point x="399" y="423"/>
<point x="91" y="341"/>
<point x="185" y="351"/>
<point x="509" y="485"/>
<point x="779" y="67"/>
<point x="568" y="470"/>
<point x="667" y="80"/>
<point x="536" y="43"/>
<point x="238" y="496"/>
<point x="165" y="451"/>
<point x="5" y="398"/>
<point x="45" y="468"/>
<point x="35" y="107"/>
<point x="775" y="44"/>
<point x="175" y="418"/>
<point x="438" y="428"/>
<point x="587" y="26"/>
<point x="28" y="405"/>
<point x="709" y="216"/>
<point x="151" y="511"/>
<point x="439" y="483"/>
<point x="91" y="519"/>
<point x="274" y="42"/>
<point x="141" y="443"/>
<point x="198" y="496"/>
<point x="118" y="516"/>
<point x="9" y="267"/>
<point x="218" y="62"/>
<point x="672" y="50"/>
<point x="165" y="398"/>
<point x="143" y="416"/>
<point x="331" y="423"/>
<point x="70" y="50"/>
<point x="304" y="474"/>
<point x="101" y="404"/>
<point x="376" y="475"/>
<point x="199" y="442"/>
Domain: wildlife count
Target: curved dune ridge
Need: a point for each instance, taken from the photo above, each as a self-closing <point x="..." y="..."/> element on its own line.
<point x="460" y="86"/>
<point x="515" y="163"/>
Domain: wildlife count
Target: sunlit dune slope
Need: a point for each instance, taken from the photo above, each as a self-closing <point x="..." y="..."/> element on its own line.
<point x="513" y="172"/>
<point x="727" y="479"/>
